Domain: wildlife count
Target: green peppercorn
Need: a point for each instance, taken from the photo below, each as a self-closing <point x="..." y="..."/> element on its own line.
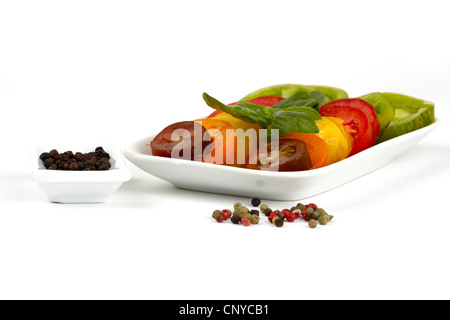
<point x="216" y="213"/>
<point x="248" y="215"/>
<point x="316" y="215"/>
<point x="323" y="220"/>
<point x="237" y="206"/>
<point x="321" y="211"/>
<point x="244" y="210"/>
<point x="312" y="223"/>
<point x="263" y="208"/>
<point x="300" y="206"/>
<point x="293" y="209"/>
<point x="310" y="210"/>
<point x="254" y="219"/>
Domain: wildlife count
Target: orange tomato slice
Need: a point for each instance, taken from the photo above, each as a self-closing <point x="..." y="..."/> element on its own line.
<point x="222" y="148"/>
<point x="246" y="143"/>
<point x="317" y="149"/>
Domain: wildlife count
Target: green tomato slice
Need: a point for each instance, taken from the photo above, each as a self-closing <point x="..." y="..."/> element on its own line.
<point x="287" y="90"/>
<point x="410" y="114"/>
<point x="383" y="107"/>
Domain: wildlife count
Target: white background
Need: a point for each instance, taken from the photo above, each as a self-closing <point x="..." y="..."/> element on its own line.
<point x="117" y="71"/>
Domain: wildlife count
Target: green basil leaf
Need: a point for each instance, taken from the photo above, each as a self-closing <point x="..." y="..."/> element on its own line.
<point x="295" y="116"/>
<point x="320" y="97"/>
<point x="243" y="110"/>
<point x="292" y="121"/>
<point x="309" y="111"/>
<point x="301" y="98"/>
<point x="314" y="99"/>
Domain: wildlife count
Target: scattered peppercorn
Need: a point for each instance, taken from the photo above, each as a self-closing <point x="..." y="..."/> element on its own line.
<point x="216" y="213"/>
<point x="273" y="214"/>
<point x="278" y="221"/>
<point x="98" y="160"/>
<point x="281" y="215"/>
<point x="220" y="218"/>
<point x="310" y="212"/>
<point x="264" y="207"/>
<point x="312" y="223"/>
<point x="235" y="219"/>
<point x="256" y="202"/>
<point x="226" y="213"/>
<point x="245" y="221"/>
<point x="268" y="212"/>
<point x="289" y="215"/>
<point x="254" y="219"/>
<point x="323" y="220"/>
<point x="256" y="212"/>
<point x="297" y="213"/>
<point x="244" y="210"/>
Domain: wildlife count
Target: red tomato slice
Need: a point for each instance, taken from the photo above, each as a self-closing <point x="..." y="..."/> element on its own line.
<point x="268" y="101"/>
<point x="355" y="122"/>
<point x="368" y="109"/>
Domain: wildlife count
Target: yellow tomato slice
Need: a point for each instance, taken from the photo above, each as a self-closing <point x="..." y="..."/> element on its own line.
<point x="236" y="123"/>
<point x="337" y="143"/>
<point x="347" y="138"/>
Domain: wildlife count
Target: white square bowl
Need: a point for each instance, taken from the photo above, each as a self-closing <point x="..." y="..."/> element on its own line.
<point x="280" y="186"/>
<point x="80" y="186"/>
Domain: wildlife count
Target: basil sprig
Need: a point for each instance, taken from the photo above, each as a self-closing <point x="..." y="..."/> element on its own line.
<point x="294" y="114"/>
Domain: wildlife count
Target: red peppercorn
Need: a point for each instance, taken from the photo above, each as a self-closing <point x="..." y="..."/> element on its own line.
<point x="290" y="217"/>
<point x="226" y="214"/>
<point x="311" y="205"/>
<point x="273" y="215"/>
<point x="220" y="218"/>
<point x="245" y="221"/>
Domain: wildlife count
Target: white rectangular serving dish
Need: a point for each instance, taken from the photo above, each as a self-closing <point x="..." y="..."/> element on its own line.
<point x="80" y="186"/>
<point x="281" y="186"/>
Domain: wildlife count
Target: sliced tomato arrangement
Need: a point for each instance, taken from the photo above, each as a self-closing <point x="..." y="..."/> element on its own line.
<point x="355" y="122"/>
<point x="268" y="101"/>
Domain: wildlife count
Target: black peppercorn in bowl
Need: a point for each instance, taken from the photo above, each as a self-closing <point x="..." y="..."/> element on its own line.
<point x="88" y="173"/>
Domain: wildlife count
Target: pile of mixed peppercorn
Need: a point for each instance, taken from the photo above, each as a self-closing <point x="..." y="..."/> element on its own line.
<point x="241" y="214"/>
